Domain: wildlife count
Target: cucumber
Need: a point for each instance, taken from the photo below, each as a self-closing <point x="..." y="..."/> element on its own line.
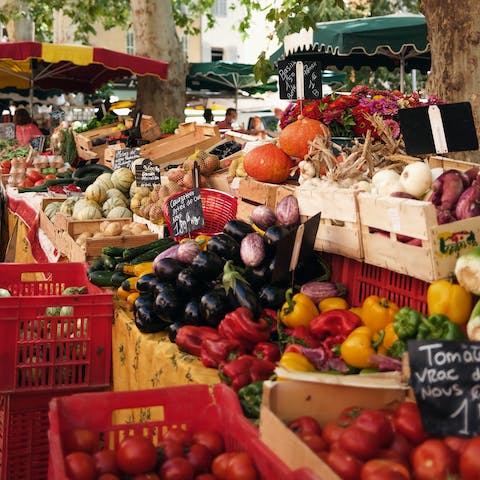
<point x="161" y="244"/>
<point x="101" y="278"/>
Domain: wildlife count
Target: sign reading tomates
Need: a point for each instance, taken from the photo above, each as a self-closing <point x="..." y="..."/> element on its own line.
<point x="445" y="377"/>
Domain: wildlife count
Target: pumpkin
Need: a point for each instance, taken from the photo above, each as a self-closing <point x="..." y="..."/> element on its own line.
<point x="267" y="163"/>
<point x="294" y="138"/>
<point x="120" y="212"/>
<point x="96" y="192"/>
<point x="122" y="179"/>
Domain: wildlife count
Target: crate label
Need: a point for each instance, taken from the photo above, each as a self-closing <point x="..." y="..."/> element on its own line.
<point x="394" y="215"/>
<point x="452" y="243"/>
<point x="186" y="212"/>
<point x="125" y="156"/>
<point x="445" y="377"/>
<point x="147" y="174"/>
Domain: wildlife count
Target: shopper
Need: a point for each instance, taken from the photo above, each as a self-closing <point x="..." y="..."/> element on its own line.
<point x="230" y="118"/>
<point x="208" y="115"/>
<point x="25" y="128"/>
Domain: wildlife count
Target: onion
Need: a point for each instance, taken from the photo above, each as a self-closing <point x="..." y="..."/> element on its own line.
<point x="263" y="216"/>
<point x="416" y="178"/>
<point x="287" y="211"/>
<point x="468" y="204"/>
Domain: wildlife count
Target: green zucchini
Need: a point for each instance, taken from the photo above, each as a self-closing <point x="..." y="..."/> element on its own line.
<point x="101" y="278"/>
<point x="161" y="244"/>
<point x="109" y="262"/>
<point x="93" y="170"/>
<point x="148" y="256"/>
<point x="118" y="278"/>
<point x="113" y="251"/>
<point x="97" y="264"/>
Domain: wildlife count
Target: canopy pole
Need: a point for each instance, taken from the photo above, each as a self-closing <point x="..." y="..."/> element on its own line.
<point x="402" y="73"/>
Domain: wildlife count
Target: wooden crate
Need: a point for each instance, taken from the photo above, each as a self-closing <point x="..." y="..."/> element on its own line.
<point x="436" y="161"/>
<point x="109" y="154"/>
<point x="84" y="141"/>
<point x="176" y="148"/>
<point x="149" y="128"/>
<point x="339" y="230"/>
<point x="440" y="245"/>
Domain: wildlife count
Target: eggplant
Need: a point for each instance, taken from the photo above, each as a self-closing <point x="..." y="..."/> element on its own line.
<point x="237" y="229"/>
<point x="146" y="320"/>
<point x="261" y="275"/>
<point x="214" y="306"/>
<point x="272" y="296"/>
<point x="167" y="305"/>
<point x="313" y="267"/>
<point x="192" y="314"/>
<point x="207" y="265"/>
<point x="273" y="235"/>
<point x="225" y="246"/>
<point x="187" y="282"/>
<point x="252" y="250"/>
<point x="287" y="211"/>
<point x="172" y="330"/>
<point x="145" y="283"/>
<point x="263" y="216"/>
<point x="168" y="268"/>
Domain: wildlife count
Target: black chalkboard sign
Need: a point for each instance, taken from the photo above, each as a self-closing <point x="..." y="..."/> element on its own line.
<point x="125" y="157"/>
<point x="186" y="212"/>
<point x="445" y="377"/>
<point x="147" y="174"/>
<point x="292" y="85"/>
<point x="438" y="128"/>
<point x="38" y="143"/>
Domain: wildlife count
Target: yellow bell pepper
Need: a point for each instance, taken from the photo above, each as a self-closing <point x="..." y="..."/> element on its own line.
<point x="332" y="303"/>
<point x="357" y="348"/>
<point x="297" y="310"/>
<point x="296" y="362"/>
<point x="202" y="240"/>
<point x="378" y="312"/>
<point x="389" y="338"/>
<point x="449" y="299"/>
<point x="356" y="310"/>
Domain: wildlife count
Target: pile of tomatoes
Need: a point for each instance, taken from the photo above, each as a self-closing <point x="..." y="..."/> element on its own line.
<point x="180" y="455"/>
<point x="367" y="444"/>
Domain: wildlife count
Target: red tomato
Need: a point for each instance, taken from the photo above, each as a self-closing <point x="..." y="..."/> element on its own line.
<point x="456" y="444"/>
<point x="234" y="466"/>
<point x="470" y="460"/>
<point x="50" y="176"/>
<point x="26" y="183"/>
<point x="179" y="435"/>
<point x="81" y="440"/>
<point x="171" y="448"/>
<point x="305" y="424"/>
<point x="401" y="445"/>
<point x="347" y="415"/>
<point x="34" y="175"/>
<point x="359" y="442"/>
<point x="315" y="442"/>
<point x="146" y="476"/>
<point x="379" y="469"/>
<point x="376" y="423"/>
<point x="177" y="468"/>
<point x="206" y="476"/>
<point x="200" y="457"/>
<point x="409" y="422"/>
<point x="108" y="476"/>
<point x="433" y="460"/>
<point x="39" y="182"/>
<point x="389" y="454"/>
<point x="211" y="439"/>
<point x="105" y="461"/>
<point x="136" y="455"/>
<point x="80" y="466"/>
<point x="344" y="464"/>
<point x="331" y="432"/>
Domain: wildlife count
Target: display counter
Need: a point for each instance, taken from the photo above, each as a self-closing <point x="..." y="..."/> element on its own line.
<point x="142" y="361"/>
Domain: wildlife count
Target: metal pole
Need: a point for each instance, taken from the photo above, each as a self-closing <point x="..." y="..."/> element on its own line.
<point x="402" y="74"/>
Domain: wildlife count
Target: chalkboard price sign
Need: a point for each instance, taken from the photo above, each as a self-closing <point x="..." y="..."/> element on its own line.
<point x="186" y="212"/>
<point x="38" y="143"/>
<point x="300" y="79"/>
<point x="147" y="174"/>
<point x="125" y="157"/>
<point x="445" y="377"/>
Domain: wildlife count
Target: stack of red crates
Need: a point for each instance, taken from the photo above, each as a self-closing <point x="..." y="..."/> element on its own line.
<point x="46" y="351"/>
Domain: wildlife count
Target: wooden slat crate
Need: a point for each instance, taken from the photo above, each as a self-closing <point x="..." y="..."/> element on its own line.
<point x="177" y="147"/>
<point x="449" y="163"/>
<point x="84" y="141"/>
<point x="397" y="218"/>
<point x="339" y="230"/>
<point x="109" y="154"/>
<point x="149" y="128"/>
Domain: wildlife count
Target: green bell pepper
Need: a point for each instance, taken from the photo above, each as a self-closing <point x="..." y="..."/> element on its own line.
<point x="397" y="349"/>
<point x="439" y="327"/>
<point x="406" y="323"/>
<point x="250" y="397"/>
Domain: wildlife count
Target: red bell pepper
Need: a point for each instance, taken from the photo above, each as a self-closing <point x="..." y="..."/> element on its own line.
<point x="244" y="370"/>
<point x="241" y="325"/>
<point x="213" y="352"/>
<point x="190" y="337"/>
<point x="302" y="335"/>
<point x="334" y="323"/>
<point x="267" y="350"/>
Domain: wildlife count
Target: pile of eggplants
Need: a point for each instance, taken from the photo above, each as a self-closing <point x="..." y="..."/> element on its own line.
<point x="456" y="195"/>
<point x="201" y="287"/>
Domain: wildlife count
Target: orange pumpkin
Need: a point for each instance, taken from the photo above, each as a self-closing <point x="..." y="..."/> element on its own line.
<point x="295" y="136"/>
<point x="267" y="163"/>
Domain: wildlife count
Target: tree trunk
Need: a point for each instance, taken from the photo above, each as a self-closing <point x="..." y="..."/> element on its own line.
<point x="156" y="37"/>
<point x="454" y="35"/>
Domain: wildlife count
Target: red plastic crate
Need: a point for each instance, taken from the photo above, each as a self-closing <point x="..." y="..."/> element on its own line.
<point x="152" y="412"/>
<point x="218" y="208"/>
<point x="24" y="436"/>
<point x="362" y="280"/>
<point x="53" y="353"/>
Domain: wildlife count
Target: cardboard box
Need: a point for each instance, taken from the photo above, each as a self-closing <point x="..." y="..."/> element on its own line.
<point x="284" y="401"/>
<point x="397" y="218"/>
<point x="339" y="230"/>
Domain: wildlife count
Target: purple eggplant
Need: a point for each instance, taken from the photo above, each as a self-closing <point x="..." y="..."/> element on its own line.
<point x="447" y="188"/>
<point x="468" y="204"/>
<point x="252" y="250"/>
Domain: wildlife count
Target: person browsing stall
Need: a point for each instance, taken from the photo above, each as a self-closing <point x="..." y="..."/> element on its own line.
<point x="230" y="118"/>
<point x="25" y="128"/>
